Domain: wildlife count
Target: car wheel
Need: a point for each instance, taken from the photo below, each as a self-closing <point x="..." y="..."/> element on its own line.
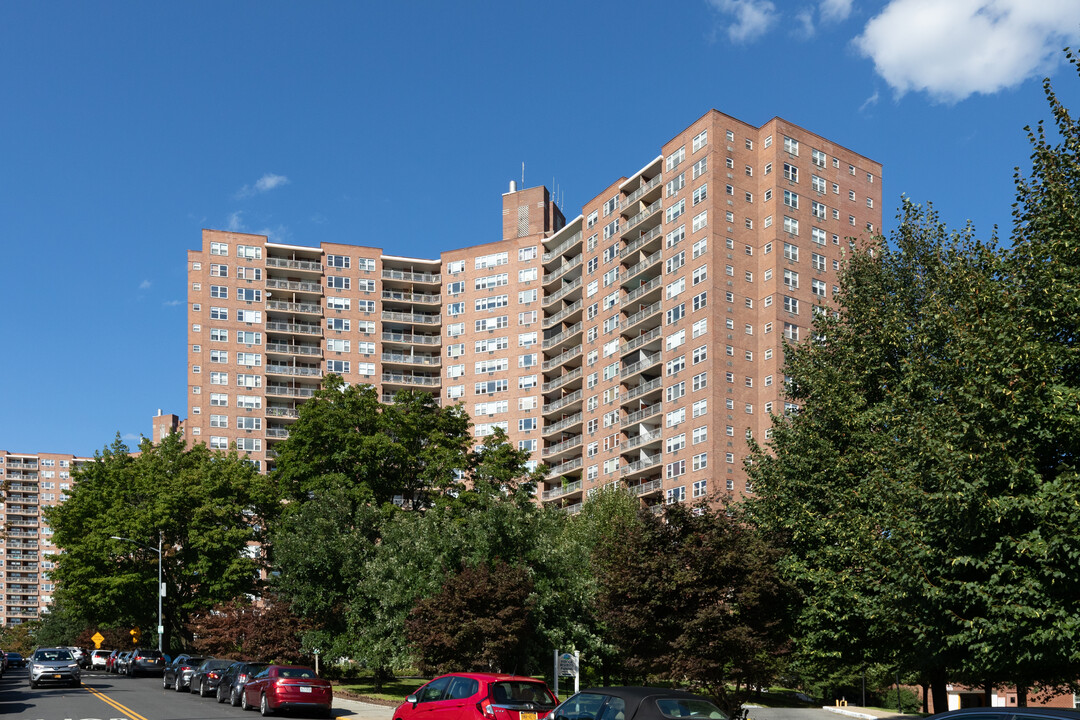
<point x="234" y="697"/>
<point x="244" y="704"/>
<point x="177" y="686"/>
<point x="164" y="683"/>
<point x="218" y="695"/>
<point x="202" y="689"/>
<point x="33" y="685"/>
<point x="264" y="706"/>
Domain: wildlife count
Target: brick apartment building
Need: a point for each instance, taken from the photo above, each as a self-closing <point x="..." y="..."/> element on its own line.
<point x="637" y="343"/>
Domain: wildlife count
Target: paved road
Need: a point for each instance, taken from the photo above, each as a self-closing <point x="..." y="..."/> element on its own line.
<point x="792" y="714"/>
<point x="113" y="697"/>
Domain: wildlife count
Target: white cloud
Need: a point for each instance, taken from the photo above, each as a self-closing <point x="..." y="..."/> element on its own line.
<point x="280" y="234"/>
<point x="235" y="223"/>
<point x="172" y="303"/>
<point x="835" y="10"/>
<point x="144" y="285"/>
<point x="957" y="48"/>
<point x="806" y="23"/>
<point x="752" y="18"/>
<point x="266" y="183"/>
<point x="870" y="101"/>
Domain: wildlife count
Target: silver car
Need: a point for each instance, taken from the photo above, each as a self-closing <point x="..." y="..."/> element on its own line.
<point x="54" y="665"/>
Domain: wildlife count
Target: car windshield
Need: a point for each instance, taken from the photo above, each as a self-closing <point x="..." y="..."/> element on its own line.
<point x="521" y="692"/>
<point x="689" y="708"/>
<point x="296" y="673"/>
<point x="216" y="664"/>
<point x="52" y="655"/>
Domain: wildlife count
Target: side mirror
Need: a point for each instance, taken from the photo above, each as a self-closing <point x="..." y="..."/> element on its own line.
<point x="412" y="699"/>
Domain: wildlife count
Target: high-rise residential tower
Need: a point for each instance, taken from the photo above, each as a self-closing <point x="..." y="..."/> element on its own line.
<point x="637" y="343"/>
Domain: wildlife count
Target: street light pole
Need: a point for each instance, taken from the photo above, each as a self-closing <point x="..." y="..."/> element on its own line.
<point x="160" y="587"/>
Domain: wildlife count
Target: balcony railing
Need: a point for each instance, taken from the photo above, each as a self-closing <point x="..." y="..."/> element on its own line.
<point x="561" y="468"/>
<point x="633" y="368"/>
<point x="412" y="276"/>
<point x="571" y="509"/>
<point x="411" y="297"/>
<point x="403" y="379"/>
<point x="643" y="388"/>
<point x="564" y="313"/>
<point x="310" y="372"/>
<point x="562" y="247"/>
<point x="285" y="391"/>
<point x="422" y="318"/>
<point x="556" y="339"/>
<point x="646" y="487"/>
<point x="277" y="432"/>
<point x="563" y="446"/>
<point x="297" y="328"/>
<point x="567" y="489"/>
<point x="642" y="314"/>
<point x="643" y="215"/>
<point x="641" y="340"/>
<point x="562" y="402"/>
<point x="412" y="339"/>
<point x="22" y="464"/>
<point x="306" y="265"/>
<point x="562" y="270"/>
<point x="412" y="359"/>
<point x="309" y="308"/>
<point x="312" y="350"/>
<point x="643" y="413"/>
<point x="640" y="191"/>
<point x="562" y="292"/>
<point x="643" y="438"/>
<point x="561" y="358"/>
<point x="294" y="286"/>
<point x="562" y="424"/>
<point x="643" y="289"/>
<point x="648" y="262"/>
<point x="561" y="380"/>
<point x="282" y="412"/>
<point x="637" y="465"/>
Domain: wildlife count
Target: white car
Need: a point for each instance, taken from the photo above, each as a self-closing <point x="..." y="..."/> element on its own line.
<point x="98" y="658"/>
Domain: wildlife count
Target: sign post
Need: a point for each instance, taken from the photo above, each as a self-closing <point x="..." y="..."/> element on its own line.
<point x="568" y="665"/>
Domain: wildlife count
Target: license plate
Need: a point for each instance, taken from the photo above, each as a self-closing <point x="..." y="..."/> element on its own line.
<point x="57" y="676"/>
<point x="528" y="716"/>
<point x="307" y="690"/>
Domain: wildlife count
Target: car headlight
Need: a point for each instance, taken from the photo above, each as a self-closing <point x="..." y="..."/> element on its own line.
<point x="39" y="667"/>
<point x="73" y="665"/>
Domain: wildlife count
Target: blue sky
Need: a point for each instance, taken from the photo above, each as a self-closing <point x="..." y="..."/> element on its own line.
<point x="127" y="127"/>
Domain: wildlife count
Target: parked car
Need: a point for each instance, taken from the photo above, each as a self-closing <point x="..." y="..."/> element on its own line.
<point x="145" y="662"/>
<point x="120" y="665"/>
<point x="177" y="674"/>
<point x="54" y="665"/>
<point x="1007" y="713"/>
<point x="110" y="661"/>
<point x="99" y="659"/>
<point x="636" y="703"/>
<point x="15" y="660"/>
<point x="480" y="696"/>
<point x="234" y="678"/>
<point x="281" y="687"/>
<point x="79" y="654"/>
<point x="206" y="677"/>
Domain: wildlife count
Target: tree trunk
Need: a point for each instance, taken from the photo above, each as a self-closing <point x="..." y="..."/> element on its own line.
<point x="988" y="694"/>
<point x="926" y="698"/>
<point x="938" y="691"/>
<point x="1021" y="696"/>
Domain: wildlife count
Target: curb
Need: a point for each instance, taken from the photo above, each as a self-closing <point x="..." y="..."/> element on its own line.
<point x="848" y="713"/>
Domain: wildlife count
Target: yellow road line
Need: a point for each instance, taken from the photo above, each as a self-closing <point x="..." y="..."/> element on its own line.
<point x="114" y="704"/>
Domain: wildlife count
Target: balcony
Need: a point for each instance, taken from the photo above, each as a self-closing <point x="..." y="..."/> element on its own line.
<point x="644" y="388"/>
<point x="642" y="290"/>
<point x="562" y="292"/>
<point x="641" y="242"/>
<point x="571" y="509"/>
<point x="421" y="318"/>
<point x="403" y="379"/>
<point x="571" y="421"/>
<point x="22" y="464"/>
<point x="568" y="489"/>
<point x="282" y="412"/>
<point x="640" y="340"/>
<point x="642" y="439"/>
<point x="642" y="216"/>
<point x="303" y="308"/>
<point x="645" y="264"/>
<point x="639" y="465"/>
<point x="562" y="247"/>
<point x="634" y="368"/>
<point x="411" y="297"/>
<point x="287" y="349"/>
<point x="285" y="263"/>
<point x="412" y="359"/>
<point x="23" y="488"/>
<point x="285" y="391"/>
<point x="562" y="270"/>
<point x="294" y="286"/>
<point x="561" y="358"/>
<point x="562" y="314"/>
<point x="561" y="380"/>
<point x="642" y="314"/>
<point x="412" y="276"/>
<point x="295" y="328"/>
<point x="562" y="447"/>
<point x="388" y="399"/>
<point x="641" y="191"/>
<point x="412" y="339"/>
<point x="564" y="335"/>
<point x="563" y="468"/>
<point x="562" y="402"/>
<point x="642" y="414"/>
<point x="294" y="371"/>
<point x="17" y="475"/>
<point x="278" y="433"/>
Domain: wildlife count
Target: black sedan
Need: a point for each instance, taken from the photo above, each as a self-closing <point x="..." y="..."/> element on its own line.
<point x="177" y="674"/>
<point x="206" y="677"/>
<point x="235" y="678"/>
<point x="15" y="660"/>
<point x="146" y="662"/>
<point x="636" y="703"/>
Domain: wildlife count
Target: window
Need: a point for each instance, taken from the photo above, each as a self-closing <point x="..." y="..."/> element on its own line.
<point x="675" y="340"/>
<point x="701" y="194"/>
<point x="699" y="301"/>
<point x="217" y="248"/>
<point x="818" y="210"/>
<point x="337" y="282"/>
<point x="490" y="386"/>
<point x="791" y="173"/>
<point x="526" y="254"/>
<point x="791" y="145"/>
<point x="791" y="225"/>
<point x="493" y="260"/>
<point x="791" y="252"/>
<point x="791" y="279"/>
<point x="674" y="289"/>
<point x="338" y="261"/>
<point x="675" y="365"/>
<point x="249" y="359"/>
<point x="791" y="305"/>
<point x="526" y="424"/>
<point x="219" y="356"/>
<point x="675" y="211"/>
<point x="676" y="391"/>
<point x="250" y="252"/>
<point x="699" y="248"/>
<point x="700" y="168"/>
<point x="817" y="184"/>
<point x="699" y="381"/>
<point x="219" y="378"/>
<point x="675" y="262"/>
<point x="675" y="444"/>
<point x="672" y="161"/>
<point x="338" y="324"/>
<point x="527" y="275"/>
<point x="219" y="400"/>
<point x="701" y="220"/>
<point x="791" y="200"/>
<point x="869" y="202"/>
<point x="818" y="287"/>
<point x="455" y="266"/>
<point x="491" y="281"/>
<point x="248" y="422"/>
<point x="791" y="332"/>
<point x="527" y="318"/>
<point x="492" y="323"/>
<point x="700" y="354"/>
<point x="700" y="140"/>
<point x="219" y="421"/>
<point x="526" y="381"/>
<point x="817" y="157"/>
<point x="248" y="402"/>
<point x="675" y="417"/>
<point x="675" y="184"/>
<point x="219" y="291"/>
<point x="672" y="470"/>
<point x="219" y="270"/>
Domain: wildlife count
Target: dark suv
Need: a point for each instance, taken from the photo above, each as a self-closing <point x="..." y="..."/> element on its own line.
<point x="145" y="662"/>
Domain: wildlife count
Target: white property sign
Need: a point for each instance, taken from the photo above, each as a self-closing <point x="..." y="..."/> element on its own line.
<point x="567" y="665"/>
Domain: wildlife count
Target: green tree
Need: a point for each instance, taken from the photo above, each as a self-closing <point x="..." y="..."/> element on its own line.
<point x="924" y="488"/>
<point x="208" y="508"/>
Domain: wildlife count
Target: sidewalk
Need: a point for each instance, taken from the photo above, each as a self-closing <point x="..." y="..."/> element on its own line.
<point x="359" y="710"/>
<point x="862" y="713"/>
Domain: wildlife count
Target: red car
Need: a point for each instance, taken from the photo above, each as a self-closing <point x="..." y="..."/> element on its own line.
<point x="280" y="687"/>
<point x="479" y="696"/>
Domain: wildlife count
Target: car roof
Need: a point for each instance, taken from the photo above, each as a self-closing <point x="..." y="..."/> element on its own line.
<point x="491" y="677"/>
<point x="1009" y="710"/>
<point x="641" y="693"/>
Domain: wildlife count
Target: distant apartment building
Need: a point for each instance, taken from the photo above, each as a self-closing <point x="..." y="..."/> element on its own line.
<point x="637" y="344"/>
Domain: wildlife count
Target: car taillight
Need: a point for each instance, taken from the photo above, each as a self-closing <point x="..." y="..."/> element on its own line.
<point x="242" y="678"/>
<point x="484" y="706"/>
<point x="211" y="675"/>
